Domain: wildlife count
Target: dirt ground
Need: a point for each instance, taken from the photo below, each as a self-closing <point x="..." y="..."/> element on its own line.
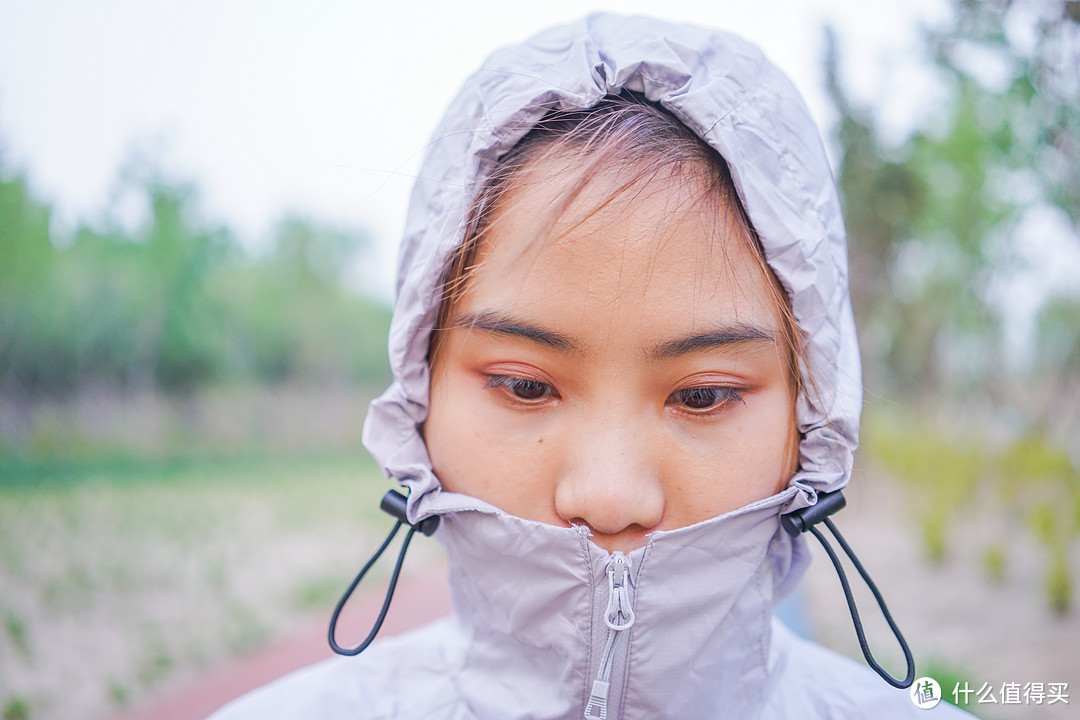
<point x="952" y="615"/>
<point x="419" y="599"/>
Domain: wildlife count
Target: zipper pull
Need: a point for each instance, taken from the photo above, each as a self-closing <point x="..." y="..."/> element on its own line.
<point x="619" y="616"/>
<point x="597" y="707"/>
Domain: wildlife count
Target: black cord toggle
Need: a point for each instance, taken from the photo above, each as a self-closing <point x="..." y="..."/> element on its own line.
<point x="394" y="504"/>
<point x="804" y="520"/>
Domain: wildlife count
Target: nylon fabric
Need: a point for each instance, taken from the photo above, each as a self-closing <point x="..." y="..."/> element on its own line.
<point x="726" y="91"/>
<point x="528" y="632"/>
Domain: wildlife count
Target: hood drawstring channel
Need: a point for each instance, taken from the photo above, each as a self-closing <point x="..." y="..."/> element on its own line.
<point x="619" y="616"/>
<point x="394" y="504"/>
<point x="804" y="520"/>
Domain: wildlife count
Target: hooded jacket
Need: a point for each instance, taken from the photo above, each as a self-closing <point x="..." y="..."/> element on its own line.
<point x="547" y="624"/>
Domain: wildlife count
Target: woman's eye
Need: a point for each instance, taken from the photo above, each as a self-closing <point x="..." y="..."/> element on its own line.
<point x="706" y="398"/>
<point x="521" y="388"/>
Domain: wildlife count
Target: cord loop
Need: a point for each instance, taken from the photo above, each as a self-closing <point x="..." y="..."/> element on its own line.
<point x="393" y="503"/>
<point x="805" y="520"/>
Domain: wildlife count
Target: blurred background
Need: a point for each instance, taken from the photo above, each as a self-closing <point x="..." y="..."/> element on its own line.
<point x="199" y="208"/>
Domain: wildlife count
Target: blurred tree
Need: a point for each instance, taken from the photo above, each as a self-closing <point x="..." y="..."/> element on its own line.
<point x="933" y="222"/>
<point x="27" y="267"/>
<point x="291" y="316"/>
<point x="148" y="296"/>
<point x="177" y="304"/>
<point x="1058" y="360"/>
<point x="938" y="225"/>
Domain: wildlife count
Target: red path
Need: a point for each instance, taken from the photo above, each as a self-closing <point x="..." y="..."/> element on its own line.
<point x="416" y="601"/>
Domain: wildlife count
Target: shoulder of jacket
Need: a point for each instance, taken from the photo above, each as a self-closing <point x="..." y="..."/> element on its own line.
<point x="812" y="681"/>
<point x="398" y="678"/>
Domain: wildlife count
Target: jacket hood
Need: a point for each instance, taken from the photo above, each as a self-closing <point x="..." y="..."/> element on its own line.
<point x="727" y="92"/>
<point x="548" y="625"/>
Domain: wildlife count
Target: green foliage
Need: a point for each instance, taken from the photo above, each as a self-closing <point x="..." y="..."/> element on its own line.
<point x="994" y="563"/>
<point x="177" y="304"/>
<point x="290" y="317"/>
<point x="1033" y="480"/>
<point x="933" y="220"/>
<point x="118" y="694"/>
<point x="942" y="471"/>
<point x="934" y="225"/>
<point x="246" y="630"/>
<point x="16" y="709"/>
<point x="1059" y="582"/>
<point x="16" y="632"/>
<point x="1057" y="357"/>
<point x="1032" y="458"/>
<point x="1038" y="481"/>
<point x="318" y="593"/>
<point x="154" y="668"/>
<point x="949" y="678"/>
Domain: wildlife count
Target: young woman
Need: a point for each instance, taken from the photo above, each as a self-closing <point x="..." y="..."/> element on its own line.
<point x="623" y="351"/>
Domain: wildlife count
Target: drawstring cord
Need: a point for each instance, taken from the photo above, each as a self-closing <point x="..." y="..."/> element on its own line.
<point x="804" y="520"/>
<point x="394" y="504"/>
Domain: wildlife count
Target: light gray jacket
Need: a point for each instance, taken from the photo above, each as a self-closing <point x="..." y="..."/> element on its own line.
<point x="548" y="624"/>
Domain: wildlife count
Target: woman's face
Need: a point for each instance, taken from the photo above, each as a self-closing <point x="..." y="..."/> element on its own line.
<point x="625" y="371"/>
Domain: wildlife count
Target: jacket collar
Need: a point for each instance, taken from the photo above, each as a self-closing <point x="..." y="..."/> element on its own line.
<point x="532" y="600"/>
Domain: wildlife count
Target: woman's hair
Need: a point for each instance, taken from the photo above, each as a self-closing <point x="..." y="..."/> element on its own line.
<point x="644" y="143"/>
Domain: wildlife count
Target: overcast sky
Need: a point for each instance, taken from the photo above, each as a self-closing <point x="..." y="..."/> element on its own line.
<point x="324" y="107"/>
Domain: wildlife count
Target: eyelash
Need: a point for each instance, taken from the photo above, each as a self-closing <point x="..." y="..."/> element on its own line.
<point x="718" y="397"/>
<point x="530" y="391"/>
<point x="516" y="385"/>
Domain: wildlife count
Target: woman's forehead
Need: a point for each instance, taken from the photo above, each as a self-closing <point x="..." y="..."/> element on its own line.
<point x="559" y="205"/>
<point x="633" y="253"/>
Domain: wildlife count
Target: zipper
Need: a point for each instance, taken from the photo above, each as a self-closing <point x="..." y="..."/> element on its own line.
<point x="619" y="617"/>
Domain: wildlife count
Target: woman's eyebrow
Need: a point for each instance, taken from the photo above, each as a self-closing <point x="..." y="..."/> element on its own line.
<point x="719" y="337"/>
<point x="506" y="325"/>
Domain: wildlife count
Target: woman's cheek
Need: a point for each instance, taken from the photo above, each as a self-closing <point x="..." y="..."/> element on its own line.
<point x="482" y="445"/>
<point x="730" y="461"/>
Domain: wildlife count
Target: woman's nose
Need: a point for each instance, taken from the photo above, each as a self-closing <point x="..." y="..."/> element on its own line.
<point x="611" y="481"/>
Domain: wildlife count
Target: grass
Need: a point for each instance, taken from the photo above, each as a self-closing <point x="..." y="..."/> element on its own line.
<point x="951" y="678"/>
<point x="16" y="632"/>
<point x="995" y="563"/>
<point x="119" y="580"/>
<point x="1029" y="481"/>
<point x="16" y="709"/>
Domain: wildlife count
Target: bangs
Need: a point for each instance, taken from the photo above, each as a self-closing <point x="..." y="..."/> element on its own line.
<point x="645" y="148"/>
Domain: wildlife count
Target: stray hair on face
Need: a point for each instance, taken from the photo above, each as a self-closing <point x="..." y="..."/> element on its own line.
<point x="645" y="144"/>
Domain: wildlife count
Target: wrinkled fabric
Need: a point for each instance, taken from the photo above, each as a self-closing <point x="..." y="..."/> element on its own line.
<point x="528" y="635"/>
<point x="724" y="89"/>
